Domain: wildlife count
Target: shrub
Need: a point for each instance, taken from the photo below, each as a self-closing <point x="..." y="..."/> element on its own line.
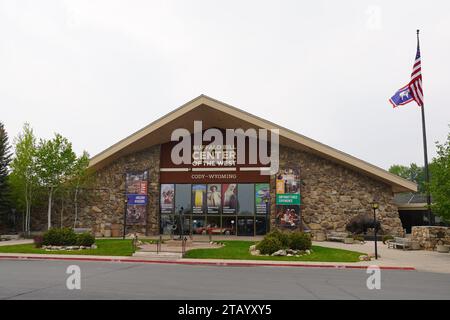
<point x="85" y="239"/>
<point x="269" y="245"/>
<point x="299" y="241"/>
<point x="60" y="237"/>
<point x="387" y="238"/>
<point x="282" y="237"/>
<point x="38" y="240"/>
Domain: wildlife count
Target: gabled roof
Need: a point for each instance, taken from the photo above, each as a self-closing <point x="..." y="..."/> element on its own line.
<point x="215" y="113"/>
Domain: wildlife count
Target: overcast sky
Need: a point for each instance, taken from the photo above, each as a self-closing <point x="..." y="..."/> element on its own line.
<point x="97" y="71"/>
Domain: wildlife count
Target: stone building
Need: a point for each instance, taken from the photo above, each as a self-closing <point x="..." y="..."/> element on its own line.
<point x="221" y="189"/>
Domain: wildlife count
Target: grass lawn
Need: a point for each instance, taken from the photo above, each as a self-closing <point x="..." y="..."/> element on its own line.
<point x="105" y="247"/>
<point x="239" y="250"/>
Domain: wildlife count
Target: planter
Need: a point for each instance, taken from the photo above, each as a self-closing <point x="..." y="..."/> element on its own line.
<point x="442" y="248"/>
<point x="348" y="240"/>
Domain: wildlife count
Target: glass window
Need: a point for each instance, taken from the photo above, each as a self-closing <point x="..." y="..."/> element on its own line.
<point x="167" y="224"/>
<point x="198" y="198"/>
<point x="213" y="225"/>
<point x="246" y="199"/>
<point x="198" y="225"/>
<point x="229" y="225"/>
<point x="245" y="226"/>
<point x="183" y="198"/>
<point x="260" y="226"/>
<point x="214" y="198"/>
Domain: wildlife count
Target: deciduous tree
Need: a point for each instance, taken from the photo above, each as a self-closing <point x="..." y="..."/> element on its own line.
<point x="440" y="180"/>
<point x="55" y="165"/>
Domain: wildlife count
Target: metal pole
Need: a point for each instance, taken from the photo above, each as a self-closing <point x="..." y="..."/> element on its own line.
<point x="425" y="153"/>
<point x="375" y="231"/>
<point x="425" y="156"/>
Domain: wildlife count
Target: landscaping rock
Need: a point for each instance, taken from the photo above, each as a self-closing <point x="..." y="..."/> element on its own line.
<point x="279" y="253"/>
<point x="308" y="251"/>
<point x="252" y="248"/>
<point x="94" y="246"/>
<point x="364" y="258"/>
<point x="255" y="253"/>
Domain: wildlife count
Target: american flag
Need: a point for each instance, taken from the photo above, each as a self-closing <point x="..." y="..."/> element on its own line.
<point x="415" y="85"/>
<point x="413" y="90"/>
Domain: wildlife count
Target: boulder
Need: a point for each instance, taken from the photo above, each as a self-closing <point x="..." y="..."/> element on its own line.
<point x="255" y="253"/>
<point x="252" y="248"/>
<point x="281" y="252"/>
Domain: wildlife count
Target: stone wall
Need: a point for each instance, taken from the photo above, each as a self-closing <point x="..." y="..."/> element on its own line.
<point x="427" y="236"/>
<point x="332" y="194"/>
<point x="106" y="206"/>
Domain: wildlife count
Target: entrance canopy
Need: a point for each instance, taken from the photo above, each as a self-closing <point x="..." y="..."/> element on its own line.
<point x="216" y="114"/>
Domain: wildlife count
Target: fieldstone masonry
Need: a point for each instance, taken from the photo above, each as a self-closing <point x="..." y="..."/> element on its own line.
<point x="331" y="194"/>
<point x="428" y="236"/>
<point x="106" y="209"/>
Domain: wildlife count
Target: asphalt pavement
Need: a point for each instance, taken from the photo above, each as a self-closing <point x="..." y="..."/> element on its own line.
<point x="20" y="279"/>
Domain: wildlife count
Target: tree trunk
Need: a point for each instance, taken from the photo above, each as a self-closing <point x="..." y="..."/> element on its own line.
<point x="76" y="207"/>
<point x="62" y="210"/>
<point x="49" y="213"/>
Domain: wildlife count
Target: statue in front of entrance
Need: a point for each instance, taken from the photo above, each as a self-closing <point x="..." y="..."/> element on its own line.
<point x="360" y="224"/>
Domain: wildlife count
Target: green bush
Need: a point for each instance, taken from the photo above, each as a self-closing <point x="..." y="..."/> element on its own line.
<point x="60" y="237"/>
<point x="280" y="236"/>
<point x="85" y="239"/>
<point x="299" y="241"/>
<point x="387" y="238"/>
<point x="269" y="245"/>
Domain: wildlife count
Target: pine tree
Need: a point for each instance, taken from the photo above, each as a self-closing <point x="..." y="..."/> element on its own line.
<point x="5" y="158"/>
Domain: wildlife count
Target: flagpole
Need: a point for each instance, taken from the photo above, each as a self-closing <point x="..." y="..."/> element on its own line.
<point x="425" y="153"/>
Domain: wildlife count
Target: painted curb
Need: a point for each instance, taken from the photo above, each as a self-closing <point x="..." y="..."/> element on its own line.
<point x="206" y="263"/>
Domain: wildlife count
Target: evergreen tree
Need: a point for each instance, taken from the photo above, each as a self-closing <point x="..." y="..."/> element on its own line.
<point x="5" y="158"/>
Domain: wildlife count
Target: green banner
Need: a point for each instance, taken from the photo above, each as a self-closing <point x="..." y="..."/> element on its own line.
<point x="288" y="199"/>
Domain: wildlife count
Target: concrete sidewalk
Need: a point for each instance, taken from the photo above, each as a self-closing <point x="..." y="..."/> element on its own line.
<point x="14" y="242"/>
<point x="421" y="260"/>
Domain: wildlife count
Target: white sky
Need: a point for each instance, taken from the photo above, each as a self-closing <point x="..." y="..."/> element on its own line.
<point x="97" y="71"/>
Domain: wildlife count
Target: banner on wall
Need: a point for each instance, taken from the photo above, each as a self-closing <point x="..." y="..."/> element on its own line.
<point x="167" y="203"/>
<point x="214" y="198"/>
<point x="287" y="216"/>
<point x="288" y="198"/>
<point x="137" y="198"/>
<point x="262" y="198"/>
<point x="229" y="198"/>
<point x="198" y="198"/>
<point x="288" y="187"/>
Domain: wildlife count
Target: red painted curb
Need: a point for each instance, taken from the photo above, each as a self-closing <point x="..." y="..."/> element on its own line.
<point x="207" y="263"/>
